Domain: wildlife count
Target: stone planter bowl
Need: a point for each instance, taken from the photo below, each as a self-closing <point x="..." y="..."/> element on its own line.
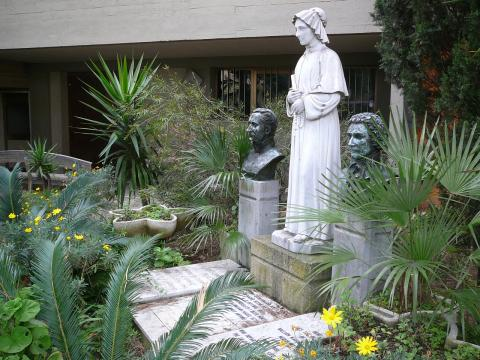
<point x="452" y="340"/>
<point x="144" y="225"/>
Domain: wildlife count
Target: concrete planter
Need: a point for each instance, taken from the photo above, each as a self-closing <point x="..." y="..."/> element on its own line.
<point x="144" y="225"/>
<point x="452" y="340"/>
<point x="389" y="317"/>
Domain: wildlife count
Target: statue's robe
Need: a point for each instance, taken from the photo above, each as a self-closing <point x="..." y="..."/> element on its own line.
<point x="315" y="145"/>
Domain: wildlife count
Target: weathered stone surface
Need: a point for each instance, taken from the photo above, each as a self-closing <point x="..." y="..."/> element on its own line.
<point x="371" y="242"/>
<point x="291" y="330"/>
<point x="286" y="240"/>
<point x="182" y="280"/>
<point x="258" y="207"/>
<point x="254" y="308"/>
<point x="285" y="274"/>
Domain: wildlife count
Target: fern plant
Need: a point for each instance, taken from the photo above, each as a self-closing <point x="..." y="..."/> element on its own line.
<point x="10" y="192"/>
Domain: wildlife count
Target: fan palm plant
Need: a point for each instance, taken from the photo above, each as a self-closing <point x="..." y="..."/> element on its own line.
<point x="126" y="133"/>
<point x="424" y="234"/>
<point x="217" y="156"/>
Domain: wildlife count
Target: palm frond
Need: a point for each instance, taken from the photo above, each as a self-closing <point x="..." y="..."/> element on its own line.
<point x="9" y="276"/>
<point x="121" y="291"/>
<point x="206" y="214"/>
<point x="460" y="159"/>
<point x="10" y="191"/>
<point x="241" y="145"/>
<point x="202" y="235"/>
<point x="235" y="349"/>
<point x="466" y="300"/>
<point x="198" y="320"/>
<point x="52" y="275"/>
<point x="78" y="188"/>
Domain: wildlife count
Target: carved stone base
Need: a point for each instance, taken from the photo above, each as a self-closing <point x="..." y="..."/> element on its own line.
<point x="285" y="239"/>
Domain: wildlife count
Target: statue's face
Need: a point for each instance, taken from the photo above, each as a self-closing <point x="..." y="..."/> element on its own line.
<point x="359" y="141"/>
<point x="257" y="130"/>
<point x="303" y="33"/>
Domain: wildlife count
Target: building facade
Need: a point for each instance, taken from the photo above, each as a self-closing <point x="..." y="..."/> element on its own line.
<point x="242" y="51"/>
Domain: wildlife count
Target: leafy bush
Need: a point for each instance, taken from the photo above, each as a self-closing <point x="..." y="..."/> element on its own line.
<point x="165" y="257"/>
<point x="21" y="334"/>
<point x="431" y="49"/>
<point x="154" y="212"/>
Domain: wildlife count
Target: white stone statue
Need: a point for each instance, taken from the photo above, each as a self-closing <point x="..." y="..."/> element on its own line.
<point x="317" y="87"/>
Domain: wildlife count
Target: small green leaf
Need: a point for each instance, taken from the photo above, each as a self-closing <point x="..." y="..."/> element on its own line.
<point x="12" y="357"/>
<point x="18" y="340"/>
<point x="9" y="308"/>
<point x="28" y="311"/>
<point x="41" y="341"/>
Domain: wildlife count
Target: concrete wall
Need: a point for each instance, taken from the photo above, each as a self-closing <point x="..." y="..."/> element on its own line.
<point x="52" y="23"/>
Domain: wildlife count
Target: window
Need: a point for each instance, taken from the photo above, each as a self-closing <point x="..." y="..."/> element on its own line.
<point x="236" y="90"/>
<point x="15" y="116"/>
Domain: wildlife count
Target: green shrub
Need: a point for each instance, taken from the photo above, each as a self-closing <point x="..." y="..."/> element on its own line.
<point x="165" y="257"/>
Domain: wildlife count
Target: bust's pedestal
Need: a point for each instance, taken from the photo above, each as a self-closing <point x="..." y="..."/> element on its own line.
<point x="285" y="239"/>
<point x="285" y="274"/>
<point x="371" y="242"/>
<point x="257" y="210"/>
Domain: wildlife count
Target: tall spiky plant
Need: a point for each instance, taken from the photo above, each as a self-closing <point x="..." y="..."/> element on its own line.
<point x="122" y="127"/>
<point x="9" y="276"/>
<point x="10" y="192"/>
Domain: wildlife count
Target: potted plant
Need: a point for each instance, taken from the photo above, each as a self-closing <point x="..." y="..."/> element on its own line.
<point x="149" y="219"/>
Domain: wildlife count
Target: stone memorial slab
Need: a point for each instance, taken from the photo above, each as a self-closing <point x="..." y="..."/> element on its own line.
<point x="182" y="280"/>
<point x="254" y="308"/>
<point x="292" y="330"/>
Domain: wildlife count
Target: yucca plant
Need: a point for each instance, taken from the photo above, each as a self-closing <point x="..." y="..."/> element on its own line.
<point x="425" y="234"/>
<point x="41" y="160"/>
<point x="126" y="132"/>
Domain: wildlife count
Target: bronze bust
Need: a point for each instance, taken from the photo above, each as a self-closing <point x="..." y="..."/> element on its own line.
<point x="364" y="133"/>
<point x="262" y="160"/>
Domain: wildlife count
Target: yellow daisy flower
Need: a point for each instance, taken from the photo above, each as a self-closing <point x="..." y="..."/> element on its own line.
<point x="12" y="215"/>
<point x="366" y="345"/>
<point x="37" y="189"/>
<point x="282" y="343"/>
<point x="61" y="218"/>
<point x="57" y="228"/>
<point x="329" y="333"/>
<point x="74" y="166"/>
<point x="28" y="230"/>
<point x="56" y="211"/>
<point x="107" y="247"/>
<point x="69" y="238"/>
<point x="48" y="216"/>
<point x="78" y="237"/>
<point x="332" y="317"/>
<point x="313" y="353"/>
<point x="74" y="173"/>
<point x="301" y="351"/>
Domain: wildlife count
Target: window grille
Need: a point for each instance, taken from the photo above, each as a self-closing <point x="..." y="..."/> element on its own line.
<point x="236" y="90"/>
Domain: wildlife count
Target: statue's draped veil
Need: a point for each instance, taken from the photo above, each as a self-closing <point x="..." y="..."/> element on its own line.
<point x="316" y="19"/>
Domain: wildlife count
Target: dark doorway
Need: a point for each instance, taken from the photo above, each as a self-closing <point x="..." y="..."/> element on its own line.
<point x="81" y="145"/>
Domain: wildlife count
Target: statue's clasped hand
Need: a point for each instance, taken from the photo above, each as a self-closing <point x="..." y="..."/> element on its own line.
<point x="294" y="95"/>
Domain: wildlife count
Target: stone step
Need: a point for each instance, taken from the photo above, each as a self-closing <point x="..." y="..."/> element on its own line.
<point x="182" y="280"/>
<point x="168" y="292"/>
<point x="255" y="308"/>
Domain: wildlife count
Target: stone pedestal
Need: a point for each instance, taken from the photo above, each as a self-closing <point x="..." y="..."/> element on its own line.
<point x="371" y="242"/>
<point x="285" y="274"/>
<point x="258" y="209"/>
